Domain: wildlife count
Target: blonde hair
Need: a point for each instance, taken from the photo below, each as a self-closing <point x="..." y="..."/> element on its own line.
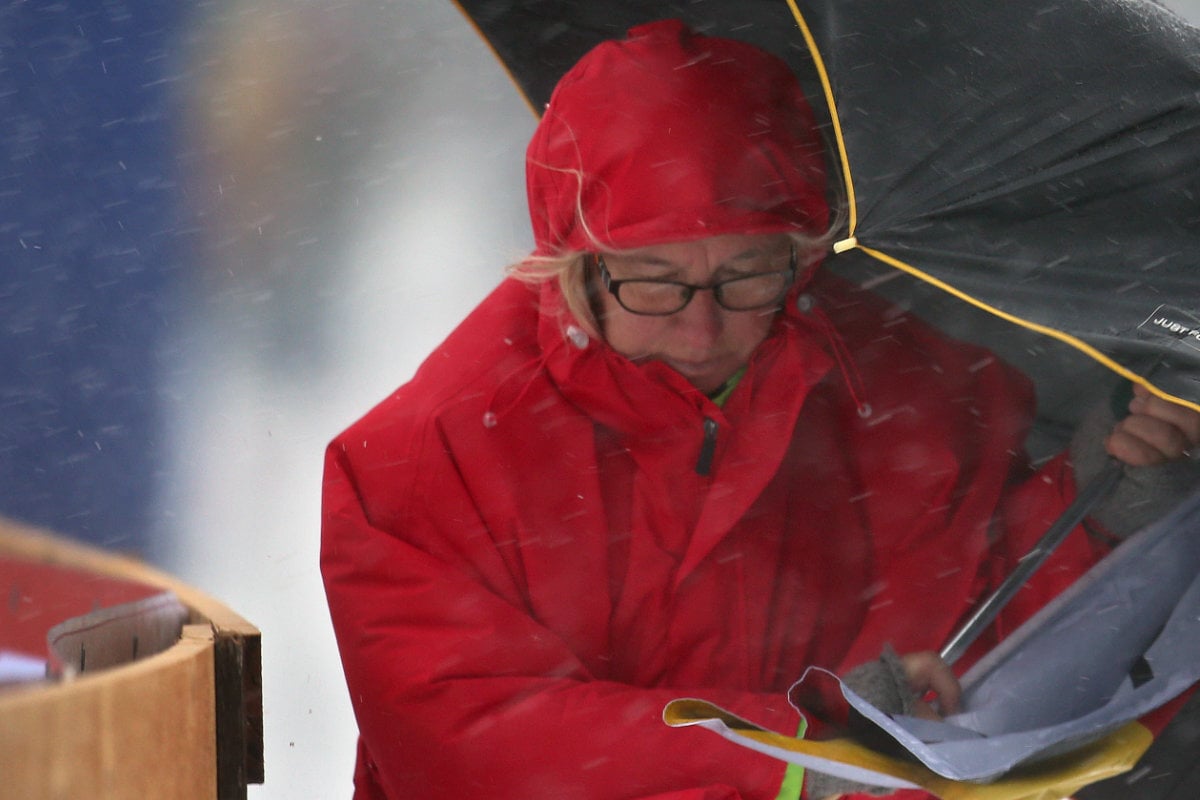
<point x="570" y="271"/>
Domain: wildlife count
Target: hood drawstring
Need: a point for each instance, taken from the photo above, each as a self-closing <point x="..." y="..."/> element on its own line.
<point x="807" y="305"/>
<point x="491" y="415"/>
<point x="533" y="367"/>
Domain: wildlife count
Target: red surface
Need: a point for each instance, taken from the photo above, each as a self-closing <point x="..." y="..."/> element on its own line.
<point x="38" y="596"/>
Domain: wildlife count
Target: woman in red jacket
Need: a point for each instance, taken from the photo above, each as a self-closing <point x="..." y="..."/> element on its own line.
<point x="669" y="457"/>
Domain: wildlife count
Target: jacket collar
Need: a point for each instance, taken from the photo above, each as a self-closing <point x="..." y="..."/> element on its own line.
<point x="661" y="415"/>
<point x="643" y="397"/>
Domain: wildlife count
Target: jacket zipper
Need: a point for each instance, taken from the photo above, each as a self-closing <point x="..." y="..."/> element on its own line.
<point x="707" y="447"/>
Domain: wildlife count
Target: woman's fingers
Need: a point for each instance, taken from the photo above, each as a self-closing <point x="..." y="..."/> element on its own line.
<point x="927" y="672"/>
<point x="1154" y="432"/>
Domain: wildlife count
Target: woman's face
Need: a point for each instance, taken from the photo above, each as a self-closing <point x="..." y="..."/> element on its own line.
<point x="703" y="342"/>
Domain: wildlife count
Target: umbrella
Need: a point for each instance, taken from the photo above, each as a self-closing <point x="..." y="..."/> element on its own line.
<point x="1038" y="161"/>
<point x="1050" y="166"/>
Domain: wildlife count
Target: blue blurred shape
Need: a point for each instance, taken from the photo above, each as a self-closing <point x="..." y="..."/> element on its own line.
<point x="91" y="244"/>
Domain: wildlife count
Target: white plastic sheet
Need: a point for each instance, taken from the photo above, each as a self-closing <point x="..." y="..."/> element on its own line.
<point x="1121" y="642"/>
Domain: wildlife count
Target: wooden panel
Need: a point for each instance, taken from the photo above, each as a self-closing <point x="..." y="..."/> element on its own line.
<point x="234" y="698"/>
<point x="138" y="731"/>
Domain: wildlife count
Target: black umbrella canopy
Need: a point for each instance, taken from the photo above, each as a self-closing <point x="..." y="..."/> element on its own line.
<point x="1039" y="159"/>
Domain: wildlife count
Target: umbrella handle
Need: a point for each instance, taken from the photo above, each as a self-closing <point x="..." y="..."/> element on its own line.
<point x="1085" y="500"/>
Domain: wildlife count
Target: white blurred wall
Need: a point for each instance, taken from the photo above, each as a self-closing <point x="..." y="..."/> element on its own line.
<point x="313" y="310"/>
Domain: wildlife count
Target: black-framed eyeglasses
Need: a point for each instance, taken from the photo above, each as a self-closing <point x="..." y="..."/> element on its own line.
<point x="654" y="298"/>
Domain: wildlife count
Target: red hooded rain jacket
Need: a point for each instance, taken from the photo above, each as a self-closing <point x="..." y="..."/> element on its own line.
<point x="524" y="563"/>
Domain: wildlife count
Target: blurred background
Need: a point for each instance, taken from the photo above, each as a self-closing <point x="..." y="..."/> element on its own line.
<point x="227" y="229"/>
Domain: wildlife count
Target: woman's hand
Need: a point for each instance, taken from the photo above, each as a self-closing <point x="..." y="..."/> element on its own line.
<point x="894" y="684"/>
<point x="1156" y="431"/>
<point x="931" y="677"/>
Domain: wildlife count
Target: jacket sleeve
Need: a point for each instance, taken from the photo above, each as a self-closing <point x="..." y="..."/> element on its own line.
<point x="460" y="692"/>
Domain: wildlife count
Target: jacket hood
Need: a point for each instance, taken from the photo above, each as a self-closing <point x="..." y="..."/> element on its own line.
<point x="669" y="135"/>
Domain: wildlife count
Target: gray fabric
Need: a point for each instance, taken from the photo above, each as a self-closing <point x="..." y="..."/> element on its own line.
<point x="819" y="786"/>
<point x="884" y="684"/>
<point x="1144" y="494"/>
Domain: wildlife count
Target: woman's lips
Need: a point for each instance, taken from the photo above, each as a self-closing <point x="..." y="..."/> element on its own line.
<point x="704" y="375"/>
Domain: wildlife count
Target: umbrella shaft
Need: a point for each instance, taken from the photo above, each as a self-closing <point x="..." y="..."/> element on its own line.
<point x="1097" y="488"/>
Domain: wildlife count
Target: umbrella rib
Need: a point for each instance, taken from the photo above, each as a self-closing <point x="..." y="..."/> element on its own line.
<point x="1085" y="500"/>
<point x="819" y="63"/>
<point x="1053" y="333"/>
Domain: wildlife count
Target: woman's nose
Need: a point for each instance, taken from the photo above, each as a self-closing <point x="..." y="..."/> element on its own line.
<point x="702" y="319"/>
